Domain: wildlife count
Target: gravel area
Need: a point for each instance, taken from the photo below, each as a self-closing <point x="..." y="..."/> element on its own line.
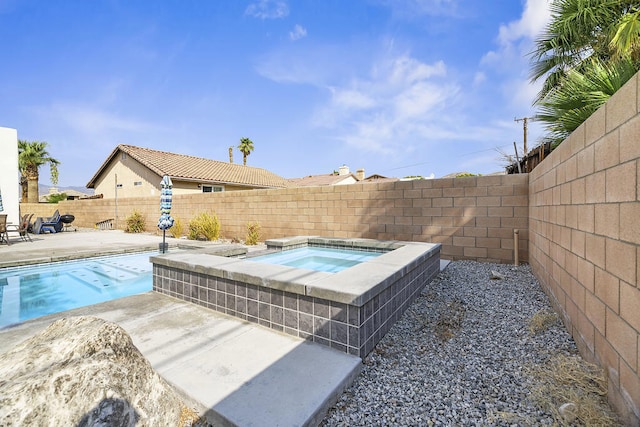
<point x="459" y="355"/>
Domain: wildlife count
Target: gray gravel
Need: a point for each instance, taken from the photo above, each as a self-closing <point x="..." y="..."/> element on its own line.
<point x="457" y="356"/>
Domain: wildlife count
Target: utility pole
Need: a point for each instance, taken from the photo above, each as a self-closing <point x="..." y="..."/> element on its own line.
<point x="116" y="201"/>
<point x="524" y="121"/>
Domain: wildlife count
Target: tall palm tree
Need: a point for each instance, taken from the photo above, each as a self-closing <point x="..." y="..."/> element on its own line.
<point x="32" y="155"/>
<point x="245" y="147"/>
<point x="584" y="55"/>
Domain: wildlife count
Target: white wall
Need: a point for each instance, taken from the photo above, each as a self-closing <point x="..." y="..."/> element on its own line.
<point x="9" y="175"/>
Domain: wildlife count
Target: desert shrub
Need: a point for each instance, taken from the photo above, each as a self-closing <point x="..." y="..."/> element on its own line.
<point x="177" y="228"/>
<point x="55" y="198"/>
<point x="204" y="226"/>
<point x="253" y="233"/>
<point x="541" y="321"/>
<point x="570" y="379"/>
<point x="135" y="223"/>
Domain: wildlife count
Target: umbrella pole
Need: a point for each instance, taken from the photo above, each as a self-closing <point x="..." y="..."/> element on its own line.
<point x="164" y="232"/>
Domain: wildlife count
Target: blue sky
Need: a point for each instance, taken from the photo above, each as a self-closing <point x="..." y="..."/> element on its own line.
<point x="397" y="87"/>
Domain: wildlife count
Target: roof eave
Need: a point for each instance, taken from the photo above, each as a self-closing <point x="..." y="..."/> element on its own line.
<point x="218" y="182"/>
<point x="91" y="183"/>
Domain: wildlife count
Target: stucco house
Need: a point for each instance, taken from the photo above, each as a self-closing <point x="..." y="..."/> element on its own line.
<point x="342" y="177"/>
<point x="136" y="172"/>
<point x="70" y="193"/>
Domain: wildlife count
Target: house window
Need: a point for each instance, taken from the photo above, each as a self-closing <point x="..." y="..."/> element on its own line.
<point x="212" y="188"/>
<point x="137" y="183"/>
<point x="124" y="156"/>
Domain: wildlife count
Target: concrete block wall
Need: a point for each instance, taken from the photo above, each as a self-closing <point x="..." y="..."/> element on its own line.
<point x="473" y="217"/>
<point x="39" y="209"/>
<point x="585" y="240"/>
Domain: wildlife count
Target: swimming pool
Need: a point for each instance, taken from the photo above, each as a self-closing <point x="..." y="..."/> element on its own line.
<point x="330" y="260"/>
<point x="37" y="290"/>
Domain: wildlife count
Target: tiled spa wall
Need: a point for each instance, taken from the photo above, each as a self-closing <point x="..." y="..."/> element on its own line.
<point x="349" y="328"/>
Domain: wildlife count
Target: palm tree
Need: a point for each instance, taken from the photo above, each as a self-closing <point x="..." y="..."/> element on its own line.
<point x="580" y="95"/>
<point x="32" y="155"/>
<point x="585" y="55"/>
<point x="245" y="147"/>
<point x="579" y="31"/>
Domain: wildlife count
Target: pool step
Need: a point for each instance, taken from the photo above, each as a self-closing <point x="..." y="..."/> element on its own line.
<point x="103" y="274"/>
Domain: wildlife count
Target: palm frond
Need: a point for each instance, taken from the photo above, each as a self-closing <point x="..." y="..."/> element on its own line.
<point x="626" y="40"/>
<point x="581" y="94"/>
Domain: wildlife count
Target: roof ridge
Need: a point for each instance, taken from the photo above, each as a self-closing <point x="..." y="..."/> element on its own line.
<point x="188" y="155"/>
<point x="184" y="166"/>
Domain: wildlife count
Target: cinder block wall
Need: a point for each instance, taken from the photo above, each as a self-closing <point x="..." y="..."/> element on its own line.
<point x="473" y="218"/>
<point x="39" y="209"/>
<point x="585" y="237"/>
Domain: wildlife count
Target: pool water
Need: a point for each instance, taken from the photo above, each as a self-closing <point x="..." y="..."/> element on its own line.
<point x="329" y="260"/>
<point x="37" y="290"/>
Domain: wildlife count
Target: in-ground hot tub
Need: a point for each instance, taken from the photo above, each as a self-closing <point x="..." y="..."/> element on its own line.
<point x="350" y="310"/>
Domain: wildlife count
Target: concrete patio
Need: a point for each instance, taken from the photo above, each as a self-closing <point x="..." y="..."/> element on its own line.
<point x="234" y="372"/>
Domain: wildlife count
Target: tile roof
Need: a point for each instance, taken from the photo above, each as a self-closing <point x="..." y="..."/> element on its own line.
<point x="69" y="192"/>
<point x="180" y="166"/>
<point x="316" y="180"/>
<point x="375" y="178"/>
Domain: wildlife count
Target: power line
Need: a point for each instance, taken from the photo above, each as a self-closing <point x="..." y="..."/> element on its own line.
<point x="409" y="166"/>
<point x="461" y="155"/>
<point x="485" y="150"/>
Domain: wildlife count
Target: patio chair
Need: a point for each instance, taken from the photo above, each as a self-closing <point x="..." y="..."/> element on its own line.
<point x="24" y="226"/>
<point x="53" y="224"/>
<point x="4" y="235"/>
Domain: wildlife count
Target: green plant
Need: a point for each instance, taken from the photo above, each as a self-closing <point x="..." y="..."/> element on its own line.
<point x="253" y="233"/>
<point x="55" y="198"/>
<point x="204" y="226"/>
<point x="177" y="228"/>
<point x="32" y="155"/>
<point x="135" y="223"/>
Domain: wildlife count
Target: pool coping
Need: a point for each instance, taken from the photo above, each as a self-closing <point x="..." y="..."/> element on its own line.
<point x="80" y="254"/>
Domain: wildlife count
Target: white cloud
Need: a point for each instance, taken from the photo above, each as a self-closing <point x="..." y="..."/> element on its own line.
<point x="298" y="64"/>
<point x="521" y="93"/>
<point x="479" y="78"/>
<point x="534" y="18"/>
<point x="268" y="9"/>
<point x="418" y="99"/>
<point x="90" y="120"/>
<point x="510" y="61"/>
<point x="410" y="70"/>
<point x="515" y="39"/>
<point x="298" y="32"/>
<point x="393" y="109"/>
<point x="352" y="99"/>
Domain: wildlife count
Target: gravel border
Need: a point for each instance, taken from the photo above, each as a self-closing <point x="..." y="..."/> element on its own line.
<point x="457" y="356"/>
